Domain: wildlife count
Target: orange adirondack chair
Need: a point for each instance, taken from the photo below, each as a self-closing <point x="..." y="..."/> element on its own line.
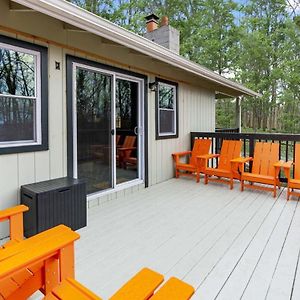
<point x="201" y="147"/>
<point x="99" y="151"/>
<point x="293" y="183"/>
<point x="265" y="169"/>
<point x="128" y="158"/>
<point x="125" y="150"/>
<point x="226" y="168"/>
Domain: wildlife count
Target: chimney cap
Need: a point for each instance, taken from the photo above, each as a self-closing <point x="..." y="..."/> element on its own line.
<point x="164" y="21"/>
<point x="152" y="17"/>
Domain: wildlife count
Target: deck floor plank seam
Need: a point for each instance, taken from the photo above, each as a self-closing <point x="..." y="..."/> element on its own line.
<point x="235" y="233"/>
<point x="231" y="259"/>
<point x="273" y="292"/>
<point x="258" y="281"/>
<point x="238" y="278"/>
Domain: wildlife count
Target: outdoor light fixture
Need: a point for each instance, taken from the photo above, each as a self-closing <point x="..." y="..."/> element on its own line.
<point x="153" y="86"/>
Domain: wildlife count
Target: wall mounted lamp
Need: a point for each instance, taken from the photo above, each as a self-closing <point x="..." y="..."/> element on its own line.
<point x="153" y="86"/>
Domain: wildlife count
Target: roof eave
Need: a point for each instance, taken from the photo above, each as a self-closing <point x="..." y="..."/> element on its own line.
<point x="83" y="19"/>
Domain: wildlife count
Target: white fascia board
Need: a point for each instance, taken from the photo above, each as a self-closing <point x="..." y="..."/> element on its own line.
<point x="74" y="15"/>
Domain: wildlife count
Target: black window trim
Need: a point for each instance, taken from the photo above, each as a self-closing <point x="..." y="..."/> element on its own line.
<point x="157" y="135"/>
<point x="44" y="145"/>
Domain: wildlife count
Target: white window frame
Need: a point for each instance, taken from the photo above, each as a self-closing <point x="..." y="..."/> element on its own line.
<point x="38" y="120"/>
<point x="166" y="134"/>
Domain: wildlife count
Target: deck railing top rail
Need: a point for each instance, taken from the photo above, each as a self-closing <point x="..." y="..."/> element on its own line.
<point x="286" y="142"/>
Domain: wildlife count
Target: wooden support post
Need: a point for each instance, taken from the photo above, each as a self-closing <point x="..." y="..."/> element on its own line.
<point x="238" y="113"/>
<point x="16" y="227"/>
<point x="66" y="258"/>
<point x="51" y="274"/>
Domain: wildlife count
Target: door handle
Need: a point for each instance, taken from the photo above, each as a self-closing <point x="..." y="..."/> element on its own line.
<point x="112" y="132"/>
<point x="136" y="130"/>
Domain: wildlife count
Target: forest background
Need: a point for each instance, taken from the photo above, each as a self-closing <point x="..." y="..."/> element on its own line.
<point x="254" y="42"/>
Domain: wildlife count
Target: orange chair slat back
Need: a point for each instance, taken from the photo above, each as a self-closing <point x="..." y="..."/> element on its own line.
<point x="265" y="156"/>
<point x="201" y="147"/>
<point x="297" y="162"/>
<point x="230" y="149"/>
<point x="129" y="142"/>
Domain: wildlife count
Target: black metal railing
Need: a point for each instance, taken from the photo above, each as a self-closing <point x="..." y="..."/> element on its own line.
<point x="286" y="142"/>
<point x="228" y="130"/>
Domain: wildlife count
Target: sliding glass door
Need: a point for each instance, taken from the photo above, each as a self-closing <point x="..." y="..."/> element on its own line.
<point x="127" y="148"/>
<point x="94" y="143"/>
<point x="107" y="133"/>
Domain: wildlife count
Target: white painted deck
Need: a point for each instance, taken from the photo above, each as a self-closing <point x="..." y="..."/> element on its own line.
<point x="227" y="244"/>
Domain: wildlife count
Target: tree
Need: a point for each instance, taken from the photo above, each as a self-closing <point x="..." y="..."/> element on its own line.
<point x="261" y="58"/>
<point x="290" y="100"/>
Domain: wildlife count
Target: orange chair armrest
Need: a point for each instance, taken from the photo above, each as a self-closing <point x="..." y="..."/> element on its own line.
<point x="208" y="156"/>
<point x="182" y="153"/>
<point x="15" y="217"/>
<point x="6" y="214"/>
<point x="287" y="169"/>
<point x="278" y="164"/>
<point x="241" y="159"/>
<point x="287" y="165"/>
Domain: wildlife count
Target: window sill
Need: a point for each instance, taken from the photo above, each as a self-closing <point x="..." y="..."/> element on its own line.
<point x="23" y="148"/>
<point x="165" y="137"/>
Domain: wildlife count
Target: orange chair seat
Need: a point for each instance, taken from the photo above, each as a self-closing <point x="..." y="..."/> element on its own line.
<point x="186" y="167"/>
<point x="131" y="160"/>
<point x="221" y="173"/>
<point x="258" y="178"/>
<point x="294" y="183"/>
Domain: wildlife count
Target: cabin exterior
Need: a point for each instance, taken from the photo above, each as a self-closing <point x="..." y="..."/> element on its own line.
<point x="136" y="88"/>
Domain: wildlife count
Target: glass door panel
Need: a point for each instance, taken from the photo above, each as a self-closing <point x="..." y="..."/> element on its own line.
<point x="127" y="99"/>
<point x="94" y="118"/>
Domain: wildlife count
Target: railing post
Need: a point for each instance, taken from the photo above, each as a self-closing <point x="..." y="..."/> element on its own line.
<point x="192" y="140"/>
<point x="251" y="150"/>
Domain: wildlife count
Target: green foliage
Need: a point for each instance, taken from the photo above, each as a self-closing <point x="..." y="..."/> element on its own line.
<point x="260" y="48"/>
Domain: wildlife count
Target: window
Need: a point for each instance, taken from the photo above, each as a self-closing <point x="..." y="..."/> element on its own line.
<point x="23" y="96"/>
<point x="166" y="109"/>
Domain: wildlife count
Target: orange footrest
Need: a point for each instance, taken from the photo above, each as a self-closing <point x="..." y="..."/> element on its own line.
<point x="174" y="289"/>
<point x="139" y="287"/>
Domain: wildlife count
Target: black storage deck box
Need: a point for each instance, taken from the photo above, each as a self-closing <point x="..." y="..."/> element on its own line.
<point x="54" y="202"/>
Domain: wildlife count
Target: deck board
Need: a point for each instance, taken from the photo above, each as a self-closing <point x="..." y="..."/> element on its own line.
<point x="283" y="277"/>
<point x="227" y="244"/>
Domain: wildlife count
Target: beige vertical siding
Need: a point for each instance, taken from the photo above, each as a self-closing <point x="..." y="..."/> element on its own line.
<point x="196" y="113"/>
<point x="196" y="107"/>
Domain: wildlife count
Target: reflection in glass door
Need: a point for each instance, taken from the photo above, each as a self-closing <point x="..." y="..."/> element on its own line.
<point x="94" y="140"/>
<point x="126" y="112"/>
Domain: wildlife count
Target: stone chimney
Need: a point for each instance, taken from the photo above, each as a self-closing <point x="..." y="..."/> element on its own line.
<point x="165" y="35"/>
